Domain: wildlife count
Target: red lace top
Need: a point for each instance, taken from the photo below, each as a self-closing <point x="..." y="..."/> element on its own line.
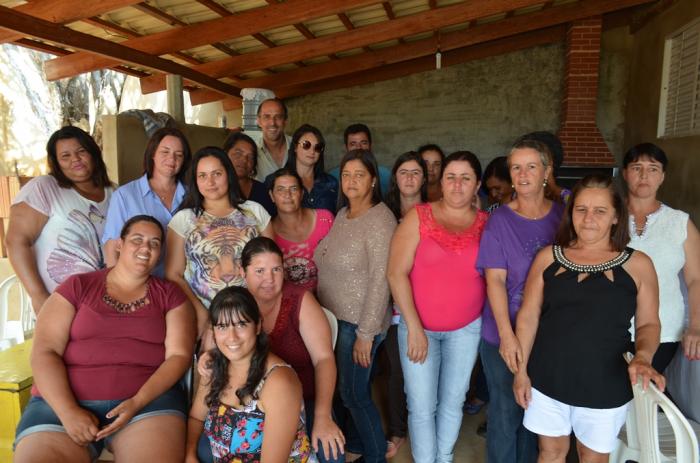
<point x="448" y="291"/>
<point x="286" y="340"/>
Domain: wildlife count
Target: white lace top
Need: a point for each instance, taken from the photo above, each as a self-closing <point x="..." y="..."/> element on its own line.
<point x="662" y="240"/>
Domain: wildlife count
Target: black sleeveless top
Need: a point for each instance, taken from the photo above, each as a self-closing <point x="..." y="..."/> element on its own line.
<point x="583" y="333"/>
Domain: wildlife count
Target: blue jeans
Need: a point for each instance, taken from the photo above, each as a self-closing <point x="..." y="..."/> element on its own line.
<point x="354" y="385"/>
<point x="507" y="440"/>
<point x="435" y="389"/>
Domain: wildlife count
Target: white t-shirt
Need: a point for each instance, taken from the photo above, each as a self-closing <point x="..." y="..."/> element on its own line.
<point x="213" y="246"/>
<point x="69" y="243"/>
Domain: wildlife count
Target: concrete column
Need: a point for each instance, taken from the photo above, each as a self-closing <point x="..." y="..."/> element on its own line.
<point x="176" y="101"/>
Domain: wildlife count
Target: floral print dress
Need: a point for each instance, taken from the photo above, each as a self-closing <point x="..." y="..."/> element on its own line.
<point x="236" y="434"/>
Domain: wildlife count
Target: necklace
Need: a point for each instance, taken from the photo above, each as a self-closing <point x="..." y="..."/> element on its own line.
<point x="126" y="307"/>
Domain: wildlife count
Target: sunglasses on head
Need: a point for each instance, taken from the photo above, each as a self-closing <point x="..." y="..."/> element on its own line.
<point x="306" y="144"/>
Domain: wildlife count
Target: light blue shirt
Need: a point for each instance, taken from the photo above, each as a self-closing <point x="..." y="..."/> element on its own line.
<point x="136" y="198"/>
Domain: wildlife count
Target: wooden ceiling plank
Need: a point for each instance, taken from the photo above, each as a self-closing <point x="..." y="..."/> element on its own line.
<point x="64" y="11"/>
<point x="38" y="28"/>
<point x="427" y="63"/>
<point x="380" y="32"/>
<point x="215" y="7"/>
<point x="206" y="32"/>
<point x="110" y="26"/>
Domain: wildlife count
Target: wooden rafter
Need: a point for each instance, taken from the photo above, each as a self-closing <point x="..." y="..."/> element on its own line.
<point x="387" y="30"/>
<point x="427" y="63"/>
<point x="128" y="33"/>
<point x="64" y="11"/>
<point x="38" y="28"/>
<point x="389" y="10"/>
<point x="51" y="49"/>
<point x="416" y="49"/>
<point x="349" y="26"/>
<point x="206" y="32"/>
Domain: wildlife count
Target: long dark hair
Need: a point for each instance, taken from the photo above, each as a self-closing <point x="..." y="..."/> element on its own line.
<point x="152" y="146"/>
<point x="99" y="170"/>
<point x="367" y="159"/>
<point x="229" y="304"/>
<point x="193" y="198"/>
<point x="292" y="152"/>
<point x="619" y="233"/>
<point x="393" y="196"/>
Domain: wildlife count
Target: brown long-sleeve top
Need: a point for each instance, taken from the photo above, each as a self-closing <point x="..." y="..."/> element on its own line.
<point x="352" y="261"/>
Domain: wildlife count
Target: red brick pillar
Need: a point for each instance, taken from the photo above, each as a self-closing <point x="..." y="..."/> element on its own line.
<point x="579" y="134"/>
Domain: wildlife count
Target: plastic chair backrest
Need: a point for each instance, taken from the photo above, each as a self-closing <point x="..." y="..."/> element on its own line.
<point x="646" y="427"/>
<point x="333" y="322"/>
<point x="27" y="318"/>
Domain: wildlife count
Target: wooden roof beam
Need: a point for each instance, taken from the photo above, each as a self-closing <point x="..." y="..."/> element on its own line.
<point x="64" y="11"/>
<point x="387" y="30"/>
<point x="29" y="25"/>
<point x="427" y="63"/>
<point x="449" y="41"/>
<point x="248" y="22"/>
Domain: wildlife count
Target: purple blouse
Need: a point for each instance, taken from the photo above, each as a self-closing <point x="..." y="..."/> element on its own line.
<point x="511" y="242"/>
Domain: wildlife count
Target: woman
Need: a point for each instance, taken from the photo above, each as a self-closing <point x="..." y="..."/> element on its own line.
<point x="209" y="232"/>
<point x="440" y="293"/>
<point x="573" y="328"/>
<point x="497" y="184"/>
<point x="298" y="230"/>
<point x="407" y="188"/>
<point x="250" y="408"/>
<point x="243" y="153"/>
<point x="109" y="349"/>
<point x="157" y="193"/>
<point x="512" y="237"/>
<point x="434" y="159"/>
<point x="56" y="220"/>
<point x="672" y="242"/>
<point x="305" y="158"/>
<point x="352" y="262"/>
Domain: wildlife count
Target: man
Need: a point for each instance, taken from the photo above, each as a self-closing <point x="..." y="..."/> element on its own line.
<point x="356" y="137"/>
<point x="273" y="144"/>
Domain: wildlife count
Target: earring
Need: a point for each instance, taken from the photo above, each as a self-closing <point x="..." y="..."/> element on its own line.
<point x="373" y="183"/>
<point x="544" y="184"/>
<point x="512" y="185"/>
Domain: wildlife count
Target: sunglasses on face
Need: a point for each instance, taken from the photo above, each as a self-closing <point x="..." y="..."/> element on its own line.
<point x="306" y="144"/>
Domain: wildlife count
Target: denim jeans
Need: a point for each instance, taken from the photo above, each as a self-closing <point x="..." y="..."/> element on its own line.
<point x="436" y="388"/>
<point x="354" y="385"/>
<point x="507" y="440"/>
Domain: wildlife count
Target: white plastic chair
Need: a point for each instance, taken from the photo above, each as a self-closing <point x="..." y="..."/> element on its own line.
<point x="14" y="331"/>
<point x="333" y="322"/>
<point x="649" y="433"/>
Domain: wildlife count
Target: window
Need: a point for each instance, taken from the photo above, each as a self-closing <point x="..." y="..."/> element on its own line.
<point x="679" y="110"/>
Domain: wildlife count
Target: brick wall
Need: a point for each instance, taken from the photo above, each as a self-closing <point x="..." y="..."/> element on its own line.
<point x="583" y="142"/>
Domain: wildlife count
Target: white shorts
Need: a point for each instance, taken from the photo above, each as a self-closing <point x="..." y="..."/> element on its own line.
<point x="596" y="428"/>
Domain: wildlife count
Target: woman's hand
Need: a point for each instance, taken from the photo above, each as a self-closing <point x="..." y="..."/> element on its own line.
<point x="361" y="352"/>
<point x="511" y="352"/>
<point x="202" y="365"/>
<point x="330" y="435"/>
<point x="81" y="425"/>
<point x="642" y="367"/>
<point x="691" y="343"/>
<point x="522" y="388"/>
<point x="124" y="412"/>
<point x="417" y="345"/>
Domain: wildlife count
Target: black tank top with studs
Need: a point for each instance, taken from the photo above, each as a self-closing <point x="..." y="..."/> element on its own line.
<point x="583" y="332"/>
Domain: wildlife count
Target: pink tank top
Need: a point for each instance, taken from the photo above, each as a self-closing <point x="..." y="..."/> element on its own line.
<point x="448" y="291"/>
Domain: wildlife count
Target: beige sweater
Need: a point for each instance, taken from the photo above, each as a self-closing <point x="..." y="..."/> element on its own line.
<point x="352" y="261"/>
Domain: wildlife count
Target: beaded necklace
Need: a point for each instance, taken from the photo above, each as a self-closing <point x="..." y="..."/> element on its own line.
<point x="127" y="307"/>
<point x="588" y="268"/>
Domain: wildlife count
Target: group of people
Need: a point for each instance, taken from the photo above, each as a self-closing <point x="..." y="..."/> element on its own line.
<point x="234" y="256"/>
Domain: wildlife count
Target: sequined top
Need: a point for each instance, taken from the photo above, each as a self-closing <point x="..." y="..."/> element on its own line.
<point x="352" y="261"/>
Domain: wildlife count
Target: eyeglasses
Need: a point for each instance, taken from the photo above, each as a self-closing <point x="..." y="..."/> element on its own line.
<point x="306" y="144"/>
